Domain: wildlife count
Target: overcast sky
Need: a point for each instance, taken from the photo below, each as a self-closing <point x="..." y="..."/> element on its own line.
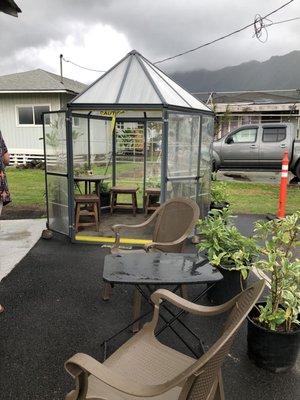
<point x="97" y="33"/>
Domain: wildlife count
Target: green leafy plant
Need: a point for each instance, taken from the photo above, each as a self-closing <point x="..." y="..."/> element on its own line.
<point x="153" y="182"/>
<point x="224" y="244"/>
<point x="219" y="192"/>
<point x="82" y="169"/>
<point x="280" y="238"/>
<point x="103" y="187"/>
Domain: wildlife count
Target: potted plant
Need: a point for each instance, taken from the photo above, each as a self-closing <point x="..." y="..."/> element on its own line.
<point x="229" y="251"/>
<point x="104" y="194"/>
<point x="273" y="325"/>
<point x="219" y="195"/>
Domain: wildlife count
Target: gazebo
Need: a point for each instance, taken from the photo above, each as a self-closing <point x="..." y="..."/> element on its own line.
<point x="134" y="125"/>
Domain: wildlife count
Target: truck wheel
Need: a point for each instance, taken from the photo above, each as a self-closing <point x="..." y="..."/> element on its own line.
<point x="214" y="167"/>
<point x="297" y="170"/>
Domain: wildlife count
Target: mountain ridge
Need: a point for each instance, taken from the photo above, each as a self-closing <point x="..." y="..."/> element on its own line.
<point x="278" y="72"/>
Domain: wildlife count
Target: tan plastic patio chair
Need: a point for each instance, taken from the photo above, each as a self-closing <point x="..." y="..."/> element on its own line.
<point x="174" y="221"/>
<point x="144" y="368"/>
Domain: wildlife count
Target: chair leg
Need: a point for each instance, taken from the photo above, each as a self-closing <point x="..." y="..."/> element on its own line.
<point x="107" y="291"/>
<point x="96" y="216"/>
<point x="77" y="217"/>
<point x="146" y="204"/>
<point x="112" y="195"/>
<point x="184" y="292"/>
<point x="134" y="203"/>
<point x="219" y="395"/>
<point x="137" y="303"/>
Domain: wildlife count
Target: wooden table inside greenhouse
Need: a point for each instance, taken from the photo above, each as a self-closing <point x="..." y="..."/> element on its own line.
<point x="88" y="179"/>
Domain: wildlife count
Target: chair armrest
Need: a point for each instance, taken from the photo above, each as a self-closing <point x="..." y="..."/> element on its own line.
<point x="88" y="365"/>
<point x="117" y="228"/>
<point x="157" y="244"/>
<point x="164" y="294"/>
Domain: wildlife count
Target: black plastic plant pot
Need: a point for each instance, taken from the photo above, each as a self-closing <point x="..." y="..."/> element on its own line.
<point x="105" y="199"/>
<point x="231" y="285"/>
<point x="219" y="206"/>
<point x="271" y="350"/>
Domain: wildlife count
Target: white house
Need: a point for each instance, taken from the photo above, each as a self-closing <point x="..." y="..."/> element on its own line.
<point x="23" y="98"/>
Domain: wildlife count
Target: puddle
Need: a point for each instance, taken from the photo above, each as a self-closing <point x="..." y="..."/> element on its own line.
<point x="238" y="177"/>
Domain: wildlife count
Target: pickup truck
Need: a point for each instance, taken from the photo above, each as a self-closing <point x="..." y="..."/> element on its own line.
<point x="258" y="147"/>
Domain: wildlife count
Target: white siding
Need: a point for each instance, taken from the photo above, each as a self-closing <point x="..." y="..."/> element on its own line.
<point x="25" y="139"/>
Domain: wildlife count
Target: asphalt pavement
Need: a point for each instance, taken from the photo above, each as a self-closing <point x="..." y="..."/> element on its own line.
<point x="53" y="309"/>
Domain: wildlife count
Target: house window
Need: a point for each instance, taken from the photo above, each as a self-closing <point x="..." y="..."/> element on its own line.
<point x="32" y="115"/>
<point x="274" y="134"/>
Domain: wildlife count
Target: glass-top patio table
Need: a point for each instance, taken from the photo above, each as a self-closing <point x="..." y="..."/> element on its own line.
<point x="153" y="270"/>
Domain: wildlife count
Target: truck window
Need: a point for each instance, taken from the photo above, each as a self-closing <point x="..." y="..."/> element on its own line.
<point x="243" y="136"/>
<point x="276" y="134"/>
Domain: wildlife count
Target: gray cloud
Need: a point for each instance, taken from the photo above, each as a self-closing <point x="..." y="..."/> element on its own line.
<point x="156" y="28"/>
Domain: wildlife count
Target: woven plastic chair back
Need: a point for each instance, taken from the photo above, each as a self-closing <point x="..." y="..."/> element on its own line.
<point x="177" y="218"/>
<point x="203" y="383"/>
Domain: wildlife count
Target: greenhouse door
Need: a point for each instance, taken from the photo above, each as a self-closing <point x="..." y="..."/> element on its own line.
<point x="56" y="172"/>
<point x="182" y="174"/>
<point x="130" y="156"/>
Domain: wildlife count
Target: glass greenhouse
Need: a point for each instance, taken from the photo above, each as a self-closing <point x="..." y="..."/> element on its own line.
<point x="135" y="126"/>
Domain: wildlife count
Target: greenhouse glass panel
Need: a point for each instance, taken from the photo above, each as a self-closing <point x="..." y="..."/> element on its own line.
<point x="130" y="153"/>
<point x="57" y="189"/>
<point x="81" y="162"/>
<point x="137" y="87"/>
<point x="186" y="188"/>
<point x="105" y="88"/>
<point x="101" y="146"/>
<point x="205" y="163"/>
<point x="183" y="145"/>
<point x="55" y="143"/>
<point x="153" y="154"/>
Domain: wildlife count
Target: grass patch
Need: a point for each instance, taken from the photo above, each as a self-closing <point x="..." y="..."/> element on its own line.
<point x="28" y="186"/>
<point x="260" y="198"/>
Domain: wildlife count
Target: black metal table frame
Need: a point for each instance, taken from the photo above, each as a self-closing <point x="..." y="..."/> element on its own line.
<point x="167" y="323"/>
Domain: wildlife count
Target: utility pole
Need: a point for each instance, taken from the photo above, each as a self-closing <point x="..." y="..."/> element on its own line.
<point x="61" y="68"/>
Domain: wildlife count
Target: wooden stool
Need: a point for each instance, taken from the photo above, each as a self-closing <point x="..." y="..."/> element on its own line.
<point x="86" y="200"/>
<point x="151" y="192"/>
<point x="114" y="191"/>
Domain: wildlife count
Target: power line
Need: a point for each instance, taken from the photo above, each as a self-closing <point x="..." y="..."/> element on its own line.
<point x="222" y="37"/>
<point x="80" y="66"/>
<point x="258" y="25"/>
<point x="281" y="22"/>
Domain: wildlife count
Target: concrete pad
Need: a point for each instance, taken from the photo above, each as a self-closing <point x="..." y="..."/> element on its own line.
<point x="17" y="237"/>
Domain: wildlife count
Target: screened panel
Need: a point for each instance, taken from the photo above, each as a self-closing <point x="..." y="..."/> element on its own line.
<point x="55" y="143"/>
<point x="153" y="154"/>
<point x="57" y="190"/>
<point x="183" y="145"/>
<point x="205" y="163"/>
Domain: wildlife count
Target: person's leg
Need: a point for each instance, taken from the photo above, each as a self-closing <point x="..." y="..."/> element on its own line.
<point x="1" y="206"/>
